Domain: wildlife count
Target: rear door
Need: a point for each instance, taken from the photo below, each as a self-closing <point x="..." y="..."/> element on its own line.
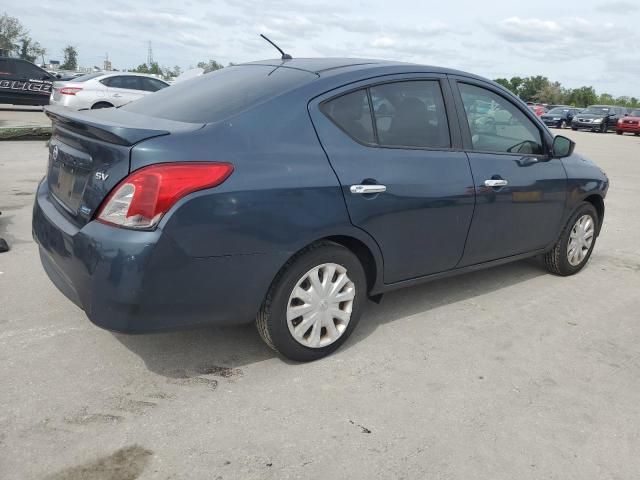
<point x="124" y="89"/>
<point x="520" y="189"/>
<point x="404" y="178"/>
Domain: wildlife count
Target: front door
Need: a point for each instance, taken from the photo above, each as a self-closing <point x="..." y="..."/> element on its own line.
<point x="403" y="179"/>
<point x="520" y="189"/>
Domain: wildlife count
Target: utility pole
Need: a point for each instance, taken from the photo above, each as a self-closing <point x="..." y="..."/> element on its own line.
<point x="149" y="56"/>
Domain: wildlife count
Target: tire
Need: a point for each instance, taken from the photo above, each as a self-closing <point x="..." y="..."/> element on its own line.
<point x="618" y="132"/>
<point x="557" y="260"/>
<point x="574" y="128"/>
<point x="101" y="105"/>
<point x="272" y="323"/>
<point x="637" y="134"/>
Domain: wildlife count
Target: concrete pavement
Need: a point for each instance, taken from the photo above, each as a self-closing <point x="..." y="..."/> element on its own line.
<point x="509" y="373"/>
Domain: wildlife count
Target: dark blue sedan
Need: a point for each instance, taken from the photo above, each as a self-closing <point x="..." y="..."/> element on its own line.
<point x="286" y="192"/>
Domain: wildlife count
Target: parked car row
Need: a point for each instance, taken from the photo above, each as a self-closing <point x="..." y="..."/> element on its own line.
<point x="23" y="83"/>
<point x="596" y="118"/>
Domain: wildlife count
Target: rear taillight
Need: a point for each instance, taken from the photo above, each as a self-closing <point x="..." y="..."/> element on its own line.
<point x="141" y="199"/>
<point x="69" y="90"/>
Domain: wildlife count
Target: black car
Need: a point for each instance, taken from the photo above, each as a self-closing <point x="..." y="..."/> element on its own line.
<point x="598" y="118"/>
<point x="23" y="83"/>
<point x="560" y="116"/>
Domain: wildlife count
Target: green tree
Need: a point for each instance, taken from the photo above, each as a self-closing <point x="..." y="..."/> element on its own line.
<point x="30" y="50"/>
<point x="210" y="66"/>
<point x="153" y="69"/>
<point x="582" y="97"/>
<point x="70" y="58"/>
<point x="531" y="86"/>
<point x="552" y="93"/>
<point x="606" y="99"/>
<point x="11" y="30"/>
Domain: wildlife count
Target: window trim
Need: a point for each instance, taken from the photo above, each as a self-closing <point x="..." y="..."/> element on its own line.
<point x="455" y="136"/>
<point x="467" y="142"/>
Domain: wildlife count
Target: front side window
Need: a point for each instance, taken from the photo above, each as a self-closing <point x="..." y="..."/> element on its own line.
<point x="497" y="125"/>
<point x="351" y="112"/>
<point x="410" y="114"/>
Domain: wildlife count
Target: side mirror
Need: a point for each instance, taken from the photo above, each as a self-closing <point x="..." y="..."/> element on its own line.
<point x="562" y="147"/>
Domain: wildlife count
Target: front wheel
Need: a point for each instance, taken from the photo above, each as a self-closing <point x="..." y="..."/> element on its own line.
<point x="574" y="128"/>
<point x="573" y="249"/>
<point x="618" y="132"/>
<point x="314" y="303"/>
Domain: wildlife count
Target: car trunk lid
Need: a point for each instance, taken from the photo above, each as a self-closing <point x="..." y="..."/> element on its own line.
<point x="89" y="154"/>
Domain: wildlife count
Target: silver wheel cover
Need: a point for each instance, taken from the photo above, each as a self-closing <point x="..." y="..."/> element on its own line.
<point x="319" y="308"/>
<point x="580" y="240"/>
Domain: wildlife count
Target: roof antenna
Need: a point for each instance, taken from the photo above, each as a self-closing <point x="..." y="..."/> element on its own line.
<point x="285" y="56"/>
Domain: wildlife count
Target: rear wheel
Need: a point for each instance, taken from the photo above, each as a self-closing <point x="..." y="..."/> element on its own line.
<point x="314" y="303"/>
<point x="101" y="105"/>
<point x="573" y="249"/>
<point x="618" y="132"/>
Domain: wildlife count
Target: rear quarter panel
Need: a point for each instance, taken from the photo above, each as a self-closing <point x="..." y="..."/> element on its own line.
<point x="281" y="196"/>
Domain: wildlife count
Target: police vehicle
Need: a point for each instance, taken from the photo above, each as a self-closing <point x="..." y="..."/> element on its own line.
<point x="23" y="83"/>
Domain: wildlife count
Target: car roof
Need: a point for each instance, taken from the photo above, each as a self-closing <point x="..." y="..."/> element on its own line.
<point x="132" y="74"/>
<point x="330" y="65"/>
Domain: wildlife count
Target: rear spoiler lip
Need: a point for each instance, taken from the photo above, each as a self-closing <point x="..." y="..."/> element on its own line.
<point x="86" y="124"/>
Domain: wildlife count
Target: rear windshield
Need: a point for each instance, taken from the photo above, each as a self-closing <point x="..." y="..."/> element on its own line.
<point x="220" y="94"/>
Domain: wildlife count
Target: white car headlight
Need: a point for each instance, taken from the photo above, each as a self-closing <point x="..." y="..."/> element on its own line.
<point x="597" y="120"/>
<point x="557" y="118"/>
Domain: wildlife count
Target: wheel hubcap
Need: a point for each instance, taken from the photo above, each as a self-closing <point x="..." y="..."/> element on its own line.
<point x="580" y="240"/>
<point x="319" y="308"/>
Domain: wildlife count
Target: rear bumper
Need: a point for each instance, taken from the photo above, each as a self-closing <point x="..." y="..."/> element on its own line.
<point x="134" y="282"/>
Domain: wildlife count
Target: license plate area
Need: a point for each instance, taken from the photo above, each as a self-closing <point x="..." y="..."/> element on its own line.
<point x="68" y="174"/>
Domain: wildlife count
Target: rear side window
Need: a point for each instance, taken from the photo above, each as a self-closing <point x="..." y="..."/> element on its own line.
<point x="6" y="68"/>
<point x="28" y="71"/>
<point x="151" y="84"/>
<point x="351" y="112"/>
<point x="411" y="114"/>
<point x="130" y="82"/>
<point x="220" y="94"/>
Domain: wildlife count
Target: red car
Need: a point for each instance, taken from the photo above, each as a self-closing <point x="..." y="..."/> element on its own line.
<point x="629" y="124"/>
<point x="538" y="109"/>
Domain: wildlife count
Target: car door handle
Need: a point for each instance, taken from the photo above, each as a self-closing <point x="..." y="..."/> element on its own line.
<point x="117" y="95"/>
<point x="364" y="189"/>
<point x="495" y="183"/>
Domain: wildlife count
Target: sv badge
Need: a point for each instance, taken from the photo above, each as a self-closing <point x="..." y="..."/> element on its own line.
<point x="101" y="176"/>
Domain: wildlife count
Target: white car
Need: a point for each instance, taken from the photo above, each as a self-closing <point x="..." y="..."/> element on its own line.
<point x="104" y="90"/>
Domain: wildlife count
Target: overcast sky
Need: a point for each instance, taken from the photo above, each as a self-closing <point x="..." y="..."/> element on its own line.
<point x="577" y="42"/>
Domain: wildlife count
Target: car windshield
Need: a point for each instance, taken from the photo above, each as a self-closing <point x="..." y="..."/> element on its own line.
<point x="221" y="94"/>
<point x="88" y="76"/>
<point x="596" y="110"/>
<point x="558" y="110"/>
<point x="635" y="113"/>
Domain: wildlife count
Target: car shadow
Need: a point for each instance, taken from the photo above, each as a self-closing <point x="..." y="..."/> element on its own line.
<point x="223" y="351"/>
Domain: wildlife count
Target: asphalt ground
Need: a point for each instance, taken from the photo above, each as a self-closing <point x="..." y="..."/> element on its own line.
<point x="508" y="373"/>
